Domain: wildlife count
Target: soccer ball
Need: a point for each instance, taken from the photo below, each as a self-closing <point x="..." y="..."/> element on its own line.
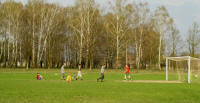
<point x="196" y="76"/>
<point x="56" y="74"/>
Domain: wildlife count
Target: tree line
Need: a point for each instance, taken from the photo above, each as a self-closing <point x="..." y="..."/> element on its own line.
<point x="40" y="34"/>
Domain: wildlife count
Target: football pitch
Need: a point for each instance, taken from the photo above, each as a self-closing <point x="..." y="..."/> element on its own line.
<point x="21" y="86"/>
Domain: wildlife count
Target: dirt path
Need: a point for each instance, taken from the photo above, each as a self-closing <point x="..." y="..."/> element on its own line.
<point x="151" y="81"/>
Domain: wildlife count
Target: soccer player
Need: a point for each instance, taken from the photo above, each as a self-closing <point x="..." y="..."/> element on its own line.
<point x="38" y="76"/>
<point x="79" y="72"/>
<point x="102" y="73"/>
<point x="63" y="71"/>
<point x="74" y="77"/>
<point x="69" y="78"/>
<point x="127" y="73"/>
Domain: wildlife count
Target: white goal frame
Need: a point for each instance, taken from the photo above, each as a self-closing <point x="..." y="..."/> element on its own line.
<point x="188" y="58"/>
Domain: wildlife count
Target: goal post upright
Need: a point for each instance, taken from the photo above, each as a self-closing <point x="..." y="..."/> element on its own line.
<point x="189" y="59"/>
<point x="167" y="69"/>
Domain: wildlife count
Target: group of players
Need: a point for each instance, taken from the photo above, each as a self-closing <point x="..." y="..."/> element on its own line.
<point x="79" y="74"/>
<point x="126" y="76"/>
<point x="101" y="78"/>
<point x="69" y="77"/>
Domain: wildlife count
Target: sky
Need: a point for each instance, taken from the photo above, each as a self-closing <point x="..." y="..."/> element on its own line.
<point x="184" y="12"/>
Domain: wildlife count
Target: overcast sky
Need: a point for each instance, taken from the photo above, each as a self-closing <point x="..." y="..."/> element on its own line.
<point x="184" y="12"/>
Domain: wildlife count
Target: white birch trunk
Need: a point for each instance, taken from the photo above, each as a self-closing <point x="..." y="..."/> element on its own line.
<point x="33" y="38"/>
<point x="20" y="54"/>
<point x="136" y="51"/>
<point x="126" y="54"/>
<point x="117" y="42"/>
<point x="88" y="35"/>
<point x="9" y="29"/>
<point x="159" y="52"/>
<point x="81" y="47"/>
<point x="117" y="60"/>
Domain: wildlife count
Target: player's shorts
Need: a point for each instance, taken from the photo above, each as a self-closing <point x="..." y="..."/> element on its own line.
<point x="127" y="74"/>
<point x="102" y="76"/>
<point x="63" y="75"/>
<point x="80" y="75"/>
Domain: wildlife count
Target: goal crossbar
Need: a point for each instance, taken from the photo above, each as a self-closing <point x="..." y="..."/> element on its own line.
<point x="182" y="58"/>
<point x="186" y="58"/>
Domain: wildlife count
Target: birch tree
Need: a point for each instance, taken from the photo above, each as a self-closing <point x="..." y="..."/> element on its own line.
<point x="173" y="38"/>
<point x="91" y="14"/>
<point x="77" y="26"/>
<point x="84" y="27"/>
<point x="140" y="18"/>
<point x="116" y="26"/>
<point x="193" y="38"/>
<point x="1" y="34"/>
<point x="47" y="25"/>
<point x="33" y="7"/>
<point x="12" y="13"/>
<point x="161" y="16"/>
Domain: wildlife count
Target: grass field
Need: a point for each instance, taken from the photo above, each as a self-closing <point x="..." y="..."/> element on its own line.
<point x="21" y="86"/>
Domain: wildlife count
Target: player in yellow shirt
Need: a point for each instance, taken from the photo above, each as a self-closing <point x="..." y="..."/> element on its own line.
<point x="69" y="78"/>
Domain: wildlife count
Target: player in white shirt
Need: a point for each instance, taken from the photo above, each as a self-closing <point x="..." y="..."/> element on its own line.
<point x="102" y="73"/>
<point x="79" y="72"/>
<point x="63" y="71"/>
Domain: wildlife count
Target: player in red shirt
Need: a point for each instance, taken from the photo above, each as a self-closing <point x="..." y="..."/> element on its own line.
<point x="127" y="72"/>
<point x="38" y="76"/>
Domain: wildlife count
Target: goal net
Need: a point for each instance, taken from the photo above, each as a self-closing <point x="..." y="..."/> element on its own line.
<point x="185" y="69"/>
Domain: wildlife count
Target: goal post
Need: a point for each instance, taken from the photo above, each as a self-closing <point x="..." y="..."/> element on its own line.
<point x="166" y="68"/>
<point x="179" y="59"/>
<point x="189" y="69"/>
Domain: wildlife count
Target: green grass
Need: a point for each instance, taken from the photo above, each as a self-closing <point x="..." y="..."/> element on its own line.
<point x="20" y="86"/>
